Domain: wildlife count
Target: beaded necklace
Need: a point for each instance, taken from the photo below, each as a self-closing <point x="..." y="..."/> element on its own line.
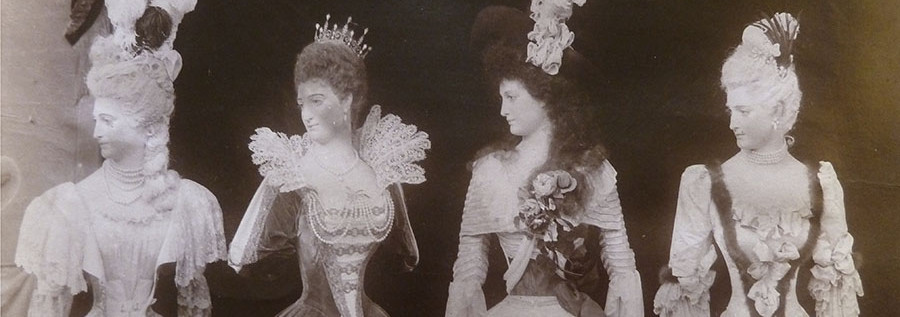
<point x="339" y="174"/>
<point x="769" y="158"/>
<point x="358" y="210"/>
<point x="127" y="181"/>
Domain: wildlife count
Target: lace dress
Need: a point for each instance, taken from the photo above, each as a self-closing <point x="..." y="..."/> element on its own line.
<point x="65" y="234"/>
<point x="491" y="207"/>
<point x="334" y="244"/>
<point x="768" y="235"/>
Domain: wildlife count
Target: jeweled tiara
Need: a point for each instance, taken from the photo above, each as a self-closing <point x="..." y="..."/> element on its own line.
<point x="343" y="35"/>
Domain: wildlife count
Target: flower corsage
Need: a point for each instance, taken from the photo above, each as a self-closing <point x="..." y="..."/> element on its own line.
<point x="545" y="212"/>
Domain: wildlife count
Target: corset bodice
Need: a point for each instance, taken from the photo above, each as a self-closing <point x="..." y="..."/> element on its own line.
<point x="347" y="238"/>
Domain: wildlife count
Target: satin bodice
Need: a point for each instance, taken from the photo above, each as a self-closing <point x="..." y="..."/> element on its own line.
<point x="770" y="228"/>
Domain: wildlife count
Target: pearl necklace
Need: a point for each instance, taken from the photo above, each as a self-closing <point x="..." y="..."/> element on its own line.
<point x="339" y="174"/>
<point x="769" y="158"/>
<point x="358" y="210"/>
<point x="125" y="180"/>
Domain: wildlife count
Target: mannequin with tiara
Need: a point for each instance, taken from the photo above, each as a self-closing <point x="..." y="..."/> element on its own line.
<point x="774" y="218"/>
<point x="333" y="194"/>
<point x="548" y="193"/>
<point x="113" y="232"/>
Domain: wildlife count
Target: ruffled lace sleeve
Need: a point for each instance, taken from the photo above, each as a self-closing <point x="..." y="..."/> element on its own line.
<point x="835" y="283"/>
<point x="466" y="297"/>
<point x="391" y="148"/>
<point x="278" y="157"/>
<point x="685" y="292"/>
<point x="50" y="247"/>
<point x="624" y="297"/>
<point x="202" y="241"/>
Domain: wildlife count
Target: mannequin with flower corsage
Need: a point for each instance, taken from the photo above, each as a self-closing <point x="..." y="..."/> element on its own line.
<point x="548" y="193"/>
<point x="773" y="217"/>
<point x="333" y="195"/>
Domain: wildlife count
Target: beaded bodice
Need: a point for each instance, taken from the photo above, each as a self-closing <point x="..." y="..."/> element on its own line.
<point x="347" y="235"/>
<point x="347" y="238"/>
<point x="362" y="221"/>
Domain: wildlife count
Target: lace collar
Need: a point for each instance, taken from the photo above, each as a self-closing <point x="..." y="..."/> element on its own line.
<point x="390" y="147"/>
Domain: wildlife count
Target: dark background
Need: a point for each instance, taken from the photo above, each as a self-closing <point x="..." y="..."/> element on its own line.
<point x="662" y="60"/>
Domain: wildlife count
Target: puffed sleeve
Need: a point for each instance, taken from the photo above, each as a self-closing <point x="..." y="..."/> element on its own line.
<point x="686" y="291"/>
<point x="624" y="297"/>
<point x="835" y="283"/>
<point x="202" y="242"/>
<point x="50" y="247"/>
<point x="470" y="269"/>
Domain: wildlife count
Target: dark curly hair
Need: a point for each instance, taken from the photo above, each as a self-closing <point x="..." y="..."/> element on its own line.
<point x="570" y="104"/>
<point x="338" y="66"/>
<point x="572" y="108"/>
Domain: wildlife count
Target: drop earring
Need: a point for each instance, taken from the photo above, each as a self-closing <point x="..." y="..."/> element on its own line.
<point x="774" y="124"/>
<point x="789" y="140"/>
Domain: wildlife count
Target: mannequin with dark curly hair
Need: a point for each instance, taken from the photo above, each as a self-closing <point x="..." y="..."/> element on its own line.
<point x="552" y="121"/>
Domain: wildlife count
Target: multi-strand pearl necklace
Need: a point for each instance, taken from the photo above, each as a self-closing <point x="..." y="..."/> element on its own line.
<point x="359" y="210"/>
<point x="126" y="181"/>
<point x="769" y="158"/>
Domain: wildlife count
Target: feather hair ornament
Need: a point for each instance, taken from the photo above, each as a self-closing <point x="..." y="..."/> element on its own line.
<point x="781" y="30"/>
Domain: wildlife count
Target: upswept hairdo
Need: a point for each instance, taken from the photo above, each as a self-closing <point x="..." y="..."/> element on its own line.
<point x="338" y="66"/>
<point x="767" y="68"/>
<point x="143" y="88"/>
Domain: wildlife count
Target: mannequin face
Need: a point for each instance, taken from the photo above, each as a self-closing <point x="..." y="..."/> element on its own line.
<point x="117" y="131"/>
<point x="752" y="121"/>
<point x="324" y="114"/>
<point x="522" y="111"/>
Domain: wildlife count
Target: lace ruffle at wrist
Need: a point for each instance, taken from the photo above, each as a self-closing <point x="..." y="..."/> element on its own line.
<point x="835" y="283"/>
<point x="686" y="295"/>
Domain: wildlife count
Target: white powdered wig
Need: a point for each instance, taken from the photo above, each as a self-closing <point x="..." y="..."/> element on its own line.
<point x="764" y="64"/>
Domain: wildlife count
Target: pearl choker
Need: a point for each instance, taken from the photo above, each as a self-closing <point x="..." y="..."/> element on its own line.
<point x="766" y="158"/>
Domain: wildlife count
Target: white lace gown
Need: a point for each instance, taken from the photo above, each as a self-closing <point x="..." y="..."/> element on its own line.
<point x="767" y="234"/>
<point x="334" y="243"/>
<point x="68" y="241"/>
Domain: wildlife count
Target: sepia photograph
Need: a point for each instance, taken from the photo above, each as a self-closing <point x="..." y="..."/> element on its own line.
<point x="449" y="158"/>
